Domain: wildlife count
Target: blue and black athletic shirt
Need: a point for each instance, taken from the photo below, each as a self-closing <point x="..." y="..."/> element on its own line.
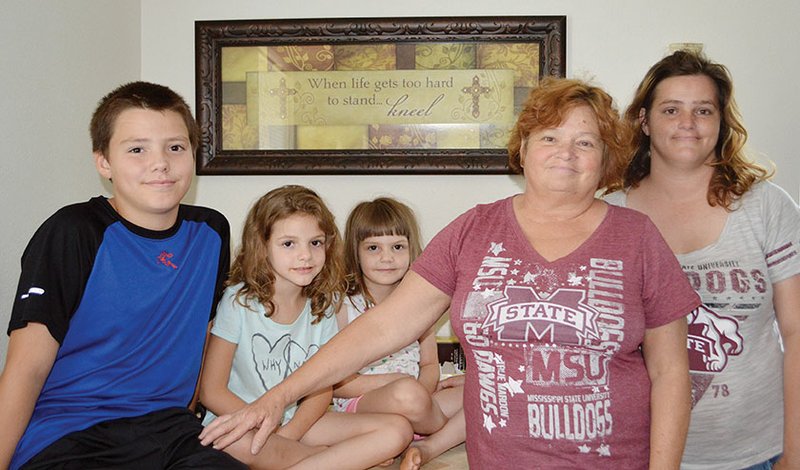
<point x="129" y="307"/>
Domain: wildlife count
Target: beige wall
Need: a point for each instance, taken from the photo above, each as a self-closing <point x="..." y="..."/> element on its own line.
<point x="57" y="58"/>
<point x="611" y="42"/>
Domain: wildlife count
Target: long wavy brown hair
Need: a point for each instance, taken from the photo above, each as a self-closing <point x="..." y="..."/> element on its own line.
<point x="734" y="173"/>
<point x="547" y="106"/>
<point x="252" y="268"/>
<point x="382" y="216"/>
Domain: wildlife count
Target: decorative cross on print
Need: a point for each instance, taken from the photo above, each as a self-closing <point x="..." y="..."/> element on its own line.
<point x="283" y="92"/>
<point x="476" y="90"/>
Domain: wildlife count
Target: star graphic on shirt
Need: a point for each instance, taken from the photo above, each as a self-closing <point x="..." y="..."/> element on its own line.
<point x="514" y="272"/>
<point x="476" y="287"/>
<point x="529" y="278"/>
<point x="583" y="268"/>
<point x="503" y="423"/>
<point x="511" y="282"/>
<point x="488" y="423"/>
<point x="595" y="389"/>
<point x="584" y="449"/>
<point x="488" y="293"/>
<point x="517" y="262"/>
<point x="604" y="450"/>
<point x="574" y="280"/>
<point x="513" y="386"/>
<point x="521" y="368"/>
<point x="496" y="248"/>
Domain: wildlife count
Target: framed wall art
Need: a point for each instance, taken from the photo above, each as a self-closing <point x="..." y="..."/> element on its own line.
<point x="367" y="95"/>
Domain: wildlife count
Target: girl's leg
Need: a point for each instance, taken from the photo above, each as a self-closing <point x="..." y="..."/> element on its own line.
<point x="278" y="453"/>
<point x="355" y="441"/>
<point x="408" y="398"/>
<point x="423" y="451"/>
<point x="450" y="400"/>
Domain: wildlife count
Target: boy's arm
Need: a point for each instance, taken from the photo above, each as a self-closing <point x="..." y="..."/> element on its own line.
<point x="196" y="396"/>
<point x="214" y="392"/>
<point x="429" y="361"/>
<point x="310" y="409"/>
<point x="30" y="356"/>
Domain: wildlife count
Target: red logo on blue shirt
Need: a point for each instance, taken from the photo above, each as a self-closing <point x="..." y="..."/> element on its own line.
<point x="165" y="259"/>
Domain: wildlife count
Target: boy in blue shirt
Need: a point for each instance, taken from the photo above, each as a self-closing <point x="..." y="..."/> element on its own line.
<point x="114" y="299"/>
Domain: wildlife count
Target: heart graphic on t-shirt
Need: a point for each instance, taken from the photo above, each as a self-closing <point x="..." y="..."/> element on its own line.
<point x="279" y="359"/>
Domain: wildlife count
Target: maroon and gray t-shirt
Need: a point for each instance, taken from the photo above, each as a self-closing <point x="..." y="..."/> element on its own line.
<point x="734" y="343"/>
<point x="555" y="373"/>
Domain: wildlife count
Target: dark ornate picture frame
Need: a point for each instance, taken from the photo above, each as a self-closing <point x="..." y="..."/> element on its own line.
<point x="214" y="157"/>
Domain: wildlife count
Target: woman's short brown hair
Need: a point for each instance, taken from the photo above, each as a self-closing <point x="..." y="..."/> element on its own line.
<point x="547" y="106"/>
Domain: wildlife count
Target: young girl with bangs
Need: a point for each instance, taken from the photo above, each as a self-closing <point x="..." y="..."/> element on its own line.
<point x="381" y="241"/>
<point x="276" y="312"/>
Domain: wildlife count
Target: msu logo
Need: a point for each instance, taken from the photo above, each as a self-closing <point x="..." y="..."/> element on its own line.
<point x="523" y="316"/>
<point x="712" y="338"/>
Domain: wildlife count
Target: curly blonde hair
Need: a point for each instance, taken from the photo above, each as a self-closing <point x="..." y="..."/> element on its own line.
<point x="734" y="173"/>
<point x="383" y="216"/>
<point x="547" y="106"/>
<point x="252" y="268"/>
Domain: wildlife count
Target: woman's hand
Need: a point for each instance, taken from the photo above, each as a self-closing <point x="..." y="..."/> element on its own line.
<point x="263" y="415"/>
<point x="451" y="382"/>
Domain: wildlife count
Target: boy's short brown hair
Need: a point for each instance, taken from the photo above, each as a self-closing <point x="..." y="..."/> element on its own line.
<point x="142" y="95"/>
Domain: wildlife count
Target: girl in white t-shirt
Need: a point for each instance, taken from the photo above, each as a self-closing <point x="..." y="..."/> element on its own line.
<point x="276" y="313"/>
<point x="381" y="241"/>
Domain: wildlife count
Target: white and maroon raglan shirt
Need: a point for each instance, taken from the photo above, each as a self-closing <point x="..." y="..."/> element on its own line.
<point x="555" y="373"/>
<point x="734" y="343"/>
